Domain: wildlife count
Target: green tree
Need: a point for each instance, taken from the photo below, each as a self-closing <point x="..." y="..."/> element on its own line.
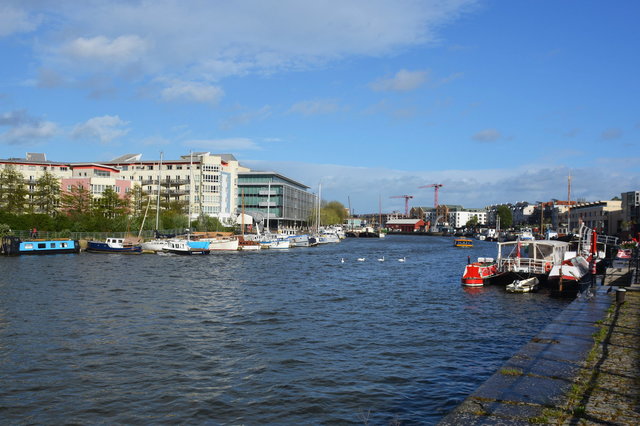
<point x="12" y="190"/>
<point x="472" y="223"/>
<point x="110" y="205"/>
<point x="47" y="195"/>
<point x="76" y="202"/>
<point x="506" y="217"/>
<point x="333" y="213"/>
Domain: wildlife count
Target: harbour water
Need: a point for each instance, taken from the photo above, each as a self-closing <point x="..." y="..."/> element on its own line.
<point x="271" y="337"/>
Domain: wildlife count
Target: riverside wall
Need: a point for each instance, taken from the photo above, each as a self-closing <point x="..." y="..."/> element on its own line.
<point x="582" y="368"/>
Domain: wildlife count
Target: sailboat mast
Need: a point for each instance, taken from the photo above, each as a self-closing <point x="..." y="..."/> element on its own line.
<point x="190" y="185"/>
<point x="158" y="200"/>
<point x="268" y="204"/>
<point x="569" y="205"/>
<point x="319" y="203"/>
<point x="242" y="213"/>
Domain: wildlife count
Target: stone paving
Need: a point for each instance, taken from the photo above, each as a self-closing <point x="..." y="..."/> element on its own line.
<point x="582" y="369"/>
<point x="612" y="380"/>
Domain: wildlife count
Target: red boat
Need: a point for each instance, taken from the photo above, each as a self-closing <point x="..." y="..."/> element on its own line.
<point x="477" y="273"/>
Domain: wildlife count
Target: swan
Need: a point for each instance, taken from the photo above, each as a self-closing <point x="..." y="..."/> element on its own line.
<point x="361" y="259"/>
<point x="402" y="260"/>
<point x="381" y="259"/>
<point x="342" y="260"/>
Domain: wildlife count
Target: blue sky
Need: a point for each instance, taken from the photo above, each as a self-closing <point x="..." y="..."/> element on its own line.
<point x="499" y="101"/>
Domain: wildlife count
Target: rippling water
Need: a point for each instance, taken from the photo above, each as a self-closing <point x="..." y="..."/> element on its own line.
<point x="280" y="337"/>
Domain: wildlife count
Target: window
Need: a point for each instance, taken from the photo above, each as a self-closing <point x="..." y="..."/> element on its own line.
<point x="42" y="245"/>
<point x="149" y="167"/>
<point x="169" y="166"/>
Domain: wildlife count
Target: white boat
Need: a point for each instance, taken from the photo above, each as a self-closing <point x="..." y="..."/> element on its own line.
<point x="275" y="244"/>
<point x="572" y="268"/>
<point x="157" y="245"/>
<point x="299" y="240"/>
<point x="526" y="235"/>
<point x="533" y="257"/>
<point x="222" y="244"/>
<point x="523" y="286"/>
<point x="186" y="247"/>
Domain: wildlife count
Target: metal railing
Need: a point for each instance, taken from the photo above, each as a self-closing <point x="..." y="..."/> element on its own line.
<point x="527" y="265"/>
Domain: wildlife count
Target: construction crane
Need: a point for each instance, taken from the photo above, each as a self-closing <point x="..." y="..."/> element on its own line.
<point x="436" y="187"/>
<point x="406" y="202"/>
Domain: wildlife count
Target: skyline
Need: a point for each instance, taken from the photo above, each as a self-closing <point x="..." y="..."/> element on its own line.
<point x="497" y="101"/>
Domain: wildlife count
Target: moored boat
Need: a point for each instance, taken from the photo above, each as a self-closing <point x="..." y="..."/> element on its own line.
<point x="247" y="245"/>
<point x="14" y="246"/>
<point x="478" y="273"/>
<point x="114" y="245"/>
<point x="523" y="286"/>
<point x="155" y="246"/>
<point x="186" y="247"/>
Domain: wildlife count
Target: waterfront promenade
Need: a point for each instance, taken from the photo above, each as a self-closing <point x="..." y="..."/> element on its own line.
<point x="583" y="369"/>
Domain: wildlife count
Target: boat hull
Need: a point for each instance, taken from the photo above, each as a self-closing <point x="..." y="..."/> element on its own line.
<point x="100" y="247"/>
<point x="479" y="273"/>
<point x="13" y="246"/>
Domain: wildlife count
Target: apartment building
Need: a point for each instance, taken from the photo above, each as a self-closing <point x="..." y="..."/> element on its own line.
<point x="206" y="182"/>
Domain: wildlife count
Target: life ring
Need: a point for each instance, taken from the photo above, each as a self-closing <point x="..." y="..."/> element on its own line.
<point x="547" y="267"/>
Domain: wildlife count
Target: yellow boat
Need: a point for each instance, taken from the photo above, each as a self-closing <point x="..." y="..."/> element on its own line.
<point x="463" y="242"/>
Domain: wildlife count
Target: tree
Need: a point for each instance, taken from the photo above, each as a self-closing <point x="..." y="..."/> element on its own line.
<point x="506" y="217"/>
<point x="76" y="202"/>
<point x="12" y="190"/>
<point x="473" y="222"/>
<point x="333" y="213"/>
<point x="47" y="195"/>
<point x="110" y="205"/>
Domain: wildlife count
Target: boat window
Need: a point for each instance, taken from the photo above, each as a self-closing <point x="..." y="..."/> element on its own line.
<point x="42" y="245"/>
<point x="28" y="246"/>
<point x="63" y="245"/>
<point x="52" y="245"/>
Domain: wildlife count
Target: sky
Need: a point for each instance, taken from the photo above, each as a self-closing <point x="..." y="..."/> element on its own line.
<point x="497" y="100"/>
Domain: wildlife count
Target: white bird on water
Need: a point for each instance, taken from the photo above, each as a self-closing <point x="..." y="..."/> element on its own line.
<point x="361" y="259"/>
<point x="402" y="260"/>
<point x="381" y="259"/>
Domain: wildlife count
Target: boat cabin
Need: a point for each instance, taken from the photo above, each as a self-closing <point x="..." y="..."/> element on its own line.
<point x="530" y="257"/>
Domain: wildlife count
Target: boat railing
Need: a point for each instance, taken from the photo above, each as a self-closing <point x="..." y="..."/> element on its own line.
<point x="523" y="264"/>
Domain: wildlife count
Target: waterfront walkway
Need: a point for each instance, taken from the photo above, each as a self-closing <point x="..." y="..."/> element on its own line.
<point x="582" y="369"/>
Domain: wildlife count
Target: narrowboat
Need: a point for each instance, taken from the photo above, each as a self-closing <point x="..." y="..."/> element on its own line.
<point x="14" y="246"/>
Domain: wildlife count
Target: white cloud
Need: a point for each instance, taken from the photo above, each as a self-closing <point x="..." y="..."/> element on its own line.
<point x="103" y="129"/>
<point x="15" y="21"/>
<point x="223" y="145"/>
<point x="487" y="135"/>
<point x="188" y="91"/>
<point x="118" y="50"/>
<point x="403" y="81"/>
<point x="315" y="107"/>
<point x="470" y="188"/>
<point x="25" y="129"/>
<point x="204" y="40"/>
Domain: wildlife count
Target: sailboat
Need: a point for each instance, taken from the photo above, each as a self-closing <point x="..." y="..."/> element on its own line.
<point x="156" y="245"/>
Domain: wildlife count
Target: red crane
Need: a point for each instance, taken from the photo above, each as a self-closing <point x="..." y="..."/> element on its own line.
<point x="435" y="186"/>
<point x="406" y="202"/>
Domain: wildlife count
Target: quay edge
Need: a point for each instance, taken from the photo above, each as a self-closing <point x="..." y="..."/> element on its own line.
<point x="539" y="376"/>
